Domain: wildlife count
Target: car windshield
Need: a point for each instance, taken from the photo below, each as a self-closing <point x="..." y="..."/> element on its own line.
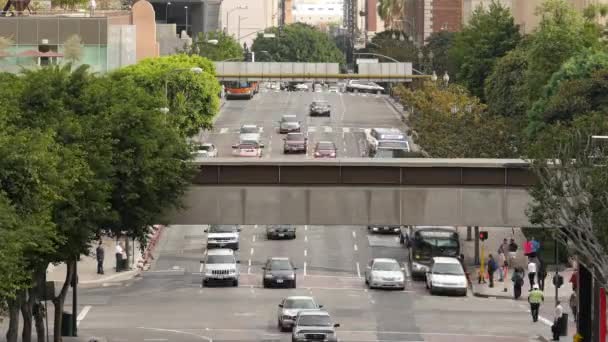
<point x="249" y="129"/>
<point x="222" y="229"/>
<point x="288" y="118"/>
<point x="326" y="146"/>
<point x="220" y="259"/>
<point x="280" y="265"/>
<point x="451" y="269"/>
<point x="291" y="124"/>
<point x="246" y="145"/>
<point x="299" y="304"/>
<point x="316" y="321"/>
<point x="295" y="137"/>
<point x="205" y="148"/>
<point x="320" y="103"/>
<point x="386" y="266"/>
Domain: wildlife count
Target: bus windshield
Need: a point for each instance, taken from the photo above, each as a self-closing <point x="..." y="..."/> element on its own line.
<point x="429" y="244"/>
<point x="237" y="84"/>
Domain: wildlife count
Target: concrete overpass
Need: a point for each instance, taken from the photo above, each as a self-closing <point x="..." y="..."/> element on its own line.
<point x="358" y="191"/>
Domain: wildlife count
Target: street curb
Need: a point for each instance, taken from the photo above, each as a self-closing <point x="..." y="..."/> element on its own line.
<point x="393" y="104"/>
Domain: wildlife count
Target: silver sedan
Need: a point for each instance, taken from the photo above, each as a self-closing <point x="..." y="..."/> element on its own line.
<point x="384" y="273"/>
<point x="289" y="308"/>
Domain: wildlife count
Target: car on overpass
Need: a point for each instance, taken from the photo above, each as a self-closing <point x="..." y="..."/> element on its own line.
<point x="279" y="272"/>
<point x="325" y="149"/>
<point x="362" y="86"/>
<point x="290" y="307"/>
<point x="289" y="123"/>
<point x="220" y="266"/>
<point x="295" y="142"/>
<point x="223" y="236"/>
<point x="446" y="275"/>
<point x="320" y="107"/>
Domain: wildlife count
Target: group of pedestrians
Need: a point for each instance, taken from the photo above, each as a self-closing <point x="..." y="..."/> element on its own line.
<point x="120" y="254"/>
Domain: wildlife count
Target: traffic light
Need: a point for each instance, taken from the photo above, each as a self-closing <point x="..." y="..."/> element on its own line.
<point x="483" y="235"/>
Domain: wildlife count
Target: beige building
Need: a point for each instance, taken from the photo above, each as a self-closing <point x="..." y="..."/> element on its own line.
<point x="524" y="11"/>
<point x="243" y="18"/>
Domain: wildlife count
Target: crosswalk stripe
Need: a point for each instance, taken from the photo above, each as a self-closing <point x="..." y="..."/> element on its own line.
<point x="312" y="129"/>
<point x="328" y="129"/>
<point x="345" y="129"/>
<point x="223" y="130"/>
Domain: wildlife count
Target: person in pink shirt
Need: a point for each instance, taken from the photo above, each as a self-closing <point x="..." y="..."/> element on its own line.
<point x="528" y="247"/>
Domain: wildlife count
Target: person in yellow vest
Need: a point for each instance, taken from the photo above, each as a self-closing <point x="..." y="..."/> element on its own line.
<point x="535" y="298"/>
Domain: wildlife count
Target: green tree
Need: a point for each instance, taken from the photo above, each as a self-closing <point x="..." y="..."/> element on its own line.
<point x="489" y="35"/>
<point x="72" y="49"/>
<point x="449" y="123"/>
<point x="389" y="44"/>
<point x="297" y="43"/>
<point x="391" y="11"/>
<point x="561" y="34"/>
<point x="192" y="98"/>
<point x="226" y="48"/>
<point x="505" y="88"/>
<point x="439" y="44"/>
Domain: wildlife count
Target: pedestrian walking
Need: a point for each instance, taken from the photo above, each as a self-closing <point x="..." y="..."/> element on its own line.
<point x="518" y="281"/>
<point x="573" y="305"/>
<point x="531" y="273"/>
<point x="119" y="253"/>
<point x="100" y="255"/>
<point x="502" y="267"/>
<point x="535" y="246"/>
<point x="557" y="321"/>
<point x="512" y="252"/>
<point x="535" y="298"/>
<point x="502" y="253"/>
<point x="574" y="280"/>
<point x="528" y="248"/>
<point x="541" y="274"/>
<point x="492" y="266"/>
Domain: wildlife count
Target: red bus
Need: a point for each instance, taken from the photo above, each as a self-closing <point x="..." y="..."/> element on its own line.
<point x="241" y="89"/>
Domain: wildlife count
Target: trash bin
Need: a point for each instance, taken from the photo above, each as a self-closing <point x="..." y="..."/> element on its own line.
<point x="66" y="324"/>
<point x="123" y="264"/>
<point x="563" y="326"/>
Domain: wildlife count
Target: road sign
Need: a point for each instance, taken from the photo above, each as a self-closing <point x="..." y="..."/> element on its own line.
<point x="269" y="35"/>
<point x="367" y="60"/>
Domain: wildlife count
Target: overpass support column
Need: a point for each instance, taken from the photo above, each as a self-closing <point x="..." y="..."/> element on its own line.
<point x="469" y="232"/>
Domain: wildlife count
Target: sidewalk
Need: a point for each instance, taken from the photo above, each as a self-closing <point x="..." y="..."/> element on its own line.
<point x="87" y="267"/>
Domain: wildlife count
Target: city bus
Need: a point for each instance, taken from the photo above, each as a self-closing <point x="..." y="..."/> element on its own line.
<point x="427" y="242"/>
<point x="241" y="89"/>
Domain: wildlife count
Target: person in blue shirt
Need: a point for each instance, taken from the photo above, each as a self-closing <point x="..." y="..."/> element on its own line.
<point x="535" y="246"/>
<point x="492" y="267"/>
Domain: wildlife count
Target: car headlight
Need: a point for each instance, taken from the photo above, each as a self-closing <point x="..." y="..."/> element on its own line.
<point x="291" y="276"/>
<point x="208" y="272"/>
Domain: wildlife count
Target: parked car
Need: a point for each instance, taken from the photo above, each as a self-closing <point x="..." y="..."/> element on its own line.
<point x="280" y="231"/>
<point x="325" y="149"/>
<point x="290" y="307"/>
<point x="320" y="107"/>
<point x="385" y="273"/>
<point x="289" y="123"/>
<point x="446" y="275"/>
<point x="205" y="150"/>
<point x="279" y="272"/>
<point x="295" y="142"/>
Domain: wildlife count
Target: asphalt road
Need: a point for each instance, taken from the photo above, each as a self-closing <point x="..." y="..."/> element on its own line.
<point x="351" y="115"/>
<point x="169" y="304"/>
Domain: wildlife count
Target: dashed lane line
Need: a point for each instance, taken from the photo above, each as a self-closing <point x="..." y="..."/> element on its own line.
<point x="305" y="252"/>
<point x="305" y="238"/>
<point x="358" y="271"/>
<point x="354" y="235"/>
<point x="356" y="248"/>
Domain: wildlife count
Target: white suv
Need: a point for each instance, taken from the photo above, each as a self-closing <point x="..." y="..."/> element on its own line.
<point x="220" y="267"/>
<point x="223" y="236"/>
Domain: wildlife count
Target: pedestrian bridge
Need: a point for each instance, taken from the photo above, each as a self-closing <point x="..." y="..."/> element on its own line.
<point x="358" y="191"/>
<point x="302" y="72"/>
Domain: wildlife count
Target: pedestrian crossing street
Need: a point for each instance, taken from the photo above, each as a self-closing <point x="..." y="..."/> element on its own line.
<point x="309" y="129"/>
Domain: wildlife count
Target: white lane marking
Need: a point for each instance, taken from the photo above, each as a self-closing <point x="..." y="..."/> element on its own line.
<point x="540" y="318"/>
<point x="304" y="268"/>
<point x="358" y="271"/>
<point x="312" y="129"/>
<point x="305" y="238"/>
<point x="155" y="339"/>
<point x="356" y="248"/>
<point x="249" y="263"/>
<point x="407" y="271"/>
<point x="354" y="235"/>
<point x="82" y="314"/>
<point x="200" y="269"/>
<point x="305" y="227"/>
<point x="305" y="252"/>
<point x="328" y="129"/>
<point x="251" y="252"/>
<point x="223" y="130"/>
<point x="205" y="338"/>
<point x="249" y="270"/>
<point x="255" y="226"/>
<point x="345" y="129"/>
<point x="261" y="129"/>
<point x="253" y="239"/>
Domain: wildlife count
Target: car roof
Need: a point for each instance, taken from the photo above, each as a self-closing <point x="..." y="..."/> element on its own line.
<point x="279" y="258"/>
<point x="387" y="130"/>
<point x="250" y="136"/>
<point x="250" y="125"/>
<point x="319" y="101"/>
<point x="220" y="251"/>
<point x="313" y="312"/>
<point x="206" y="144"/>
<point x="385" y="260"/>
<point x="445" y="260"/>
<point x="300" y="297"/>
<point x="295" y="133"/>
<point x="289" y="116"/>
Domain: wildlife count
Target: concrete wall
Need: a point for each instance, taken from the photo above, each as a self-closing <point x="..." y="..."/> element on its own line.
<point x="169" y="42"/>
<point x="260" y="14"/>
<point x="145" y="26"/>
<point x="470" y="206"/>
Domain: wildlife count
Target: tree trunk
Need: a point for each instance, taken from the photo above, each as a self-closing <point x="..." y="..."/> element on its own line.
<point x="38" y="310"/>
<point x="14" y="306"/>
<point x="60" y="299"/>
<point x="26" y="313"/>
<point x="39" y="321"/>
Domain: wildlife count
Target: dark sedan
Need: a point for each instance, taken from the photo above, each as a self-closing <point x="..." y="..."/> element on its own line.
<point x="384" y="229"/>
<point x="295" y="142"/>
<point x="279" y="272"/>
<point x="325" y="149"/>
<point x="318" y="108"/>
<point x="281" y="231"/>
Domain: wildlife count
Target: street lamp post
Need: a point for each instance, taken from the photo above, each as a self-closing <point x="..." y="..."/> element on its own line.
<point x="239" y="28"/>
<point x="186" y="7"/>
<point x="167" y="12"/>
<point x="239" y="7"/>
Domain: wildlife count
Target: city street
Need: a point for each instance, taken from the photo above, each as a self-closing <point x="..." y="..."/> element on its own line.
<point x="351" y="115"/>
<point x="168" y="303"/>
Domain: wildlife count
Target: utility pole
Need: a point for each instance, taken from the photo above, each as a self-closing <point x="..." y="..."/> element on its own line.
<point x="75" y="299"/>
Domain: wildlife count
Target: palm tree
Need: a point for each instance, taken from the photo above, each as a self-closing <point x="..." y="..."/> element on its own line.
<point x="391" y="11"/>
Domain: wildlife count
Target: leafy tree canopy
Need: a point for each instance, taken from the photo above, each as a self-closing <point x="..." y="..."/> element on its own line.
<point x="193" y="98"/>
<point x="505" y="87"/>
<point x="489" y="35"/>
<point x="391" y="11"/>
<point x="226" y="48"/>
<point x="439" y="44"/>
<point x="297" y="43"/>
<point x="388" y="43"/>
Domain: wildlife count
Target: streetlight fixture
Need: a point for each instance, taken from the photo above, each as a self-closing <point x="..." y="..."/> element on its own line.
<point x="434" y="76"/>
<point x="239" y="7"/>
<point x="446" y="78"/>
<point x="167" y="12"/>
